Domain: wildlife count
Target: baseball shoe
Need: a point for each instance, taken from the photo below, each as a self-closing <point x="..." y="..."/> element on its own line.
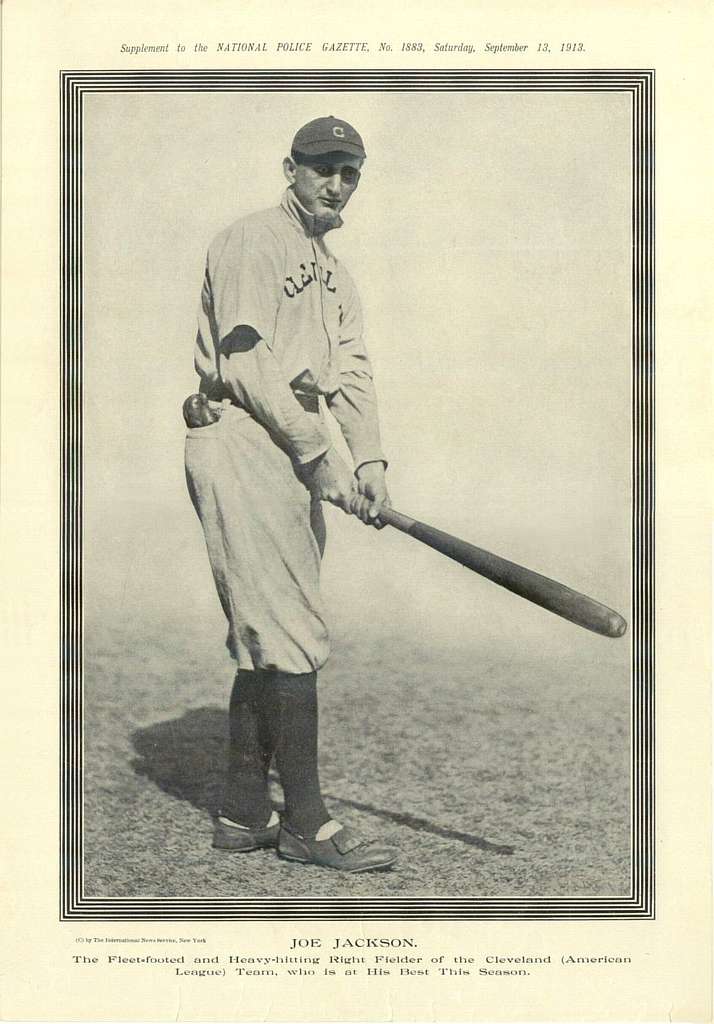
<point x="343" y="851"/>
<point x="243" y="840"/>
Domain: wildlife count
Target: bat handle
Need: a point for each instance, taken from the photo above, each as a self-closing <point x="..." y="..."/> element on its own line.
<point x="391" y="517"/>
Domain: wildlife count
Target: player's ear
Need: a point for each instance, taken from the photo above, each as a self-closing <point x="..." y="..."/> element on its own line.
<point x="289" y="168"/>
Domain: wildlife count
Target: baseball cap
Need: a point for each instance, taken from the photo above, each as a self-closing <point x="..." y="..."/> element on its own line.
<point x="328" y="135"/>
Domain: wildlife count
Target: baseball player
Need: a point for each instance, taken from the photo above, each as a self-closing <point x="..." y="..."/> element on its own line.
<point x="280" y="326"/>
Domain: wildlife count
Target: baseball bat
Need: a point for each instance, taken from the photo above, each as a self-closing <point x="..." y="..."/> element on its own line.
<point x="554" y="597"/>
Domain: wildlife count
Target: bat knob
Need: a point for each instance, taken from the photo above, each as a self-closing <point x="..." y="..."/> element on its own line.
<point x="198" y="413"/>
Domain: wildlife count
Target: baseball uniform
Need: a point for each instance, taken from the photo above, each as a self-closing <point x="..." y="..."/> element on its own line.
<point x="272" y="275"/>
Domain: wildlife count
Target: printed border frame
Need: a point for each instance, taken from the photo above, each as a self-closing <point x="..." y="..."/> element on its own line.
<point x="640" y="902"/>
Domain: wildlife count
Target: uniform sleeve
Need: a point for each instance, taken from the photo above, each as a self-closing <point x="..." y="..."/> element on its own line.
<point x="241" y="296"/>
<point x="354" y="404"/>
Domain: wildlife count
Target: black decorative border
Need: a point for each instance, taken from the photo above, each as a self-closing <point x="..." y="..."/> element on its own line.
<point x="640" y="901"/>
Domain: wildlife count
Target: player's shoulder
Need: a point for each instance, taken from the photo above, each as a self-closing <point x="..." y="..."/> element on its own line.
<point x="258" y="230"/>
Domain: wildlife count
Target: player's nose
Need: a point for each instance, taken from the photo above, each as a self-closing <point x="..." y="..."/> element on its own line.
<point x="334" y="184"/>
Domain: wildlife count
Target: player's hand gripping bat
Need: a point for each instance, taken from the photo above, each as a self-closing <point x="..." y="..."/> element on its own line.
<point x="555" y="597"/>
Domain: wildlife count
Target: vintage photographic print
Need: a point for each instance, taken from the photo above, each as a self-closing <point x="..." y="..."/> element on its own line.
<point x="414" y="300"/>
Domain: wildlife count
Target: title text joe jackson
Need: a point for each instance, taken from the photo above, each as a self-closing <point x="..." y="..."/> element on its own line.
<point x="361" y="942"/>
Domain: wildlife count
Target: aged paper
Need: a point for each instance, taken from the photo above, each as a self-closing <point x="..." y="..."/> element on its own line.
<point x="547" y="788"/>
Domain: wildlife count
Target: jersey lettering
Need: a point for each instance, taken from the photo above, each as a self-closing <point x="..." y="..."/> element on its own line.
<point x="307" y="277"/>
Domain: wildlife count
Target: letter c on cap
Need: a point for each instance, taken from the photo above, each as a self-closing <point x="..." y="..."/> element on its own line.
<point x="339" y="131"/>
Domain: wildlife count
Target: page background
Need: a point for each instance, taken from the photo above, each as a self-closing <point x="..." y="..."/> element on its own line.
<point x="671" y="974"/>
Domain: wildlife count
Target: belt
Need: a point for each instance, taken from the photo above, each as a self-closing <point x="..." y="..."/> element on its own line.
<point x="219" y="393"/>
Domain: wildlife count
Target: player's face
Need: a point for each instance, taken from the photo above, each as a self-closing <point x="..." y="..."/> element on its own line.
<point x="324" y="184"/>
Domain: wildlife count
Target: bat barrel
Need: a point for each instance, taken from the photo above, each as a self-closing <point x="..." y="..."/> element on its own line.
<point x="547" y="593"/>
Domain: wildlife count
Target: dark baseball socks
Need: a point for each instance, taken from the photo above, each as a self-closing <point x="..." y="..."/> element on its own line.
<point x="289" y="706"/>
<point x="274" y="714"/>
<point x="245" y="799"/>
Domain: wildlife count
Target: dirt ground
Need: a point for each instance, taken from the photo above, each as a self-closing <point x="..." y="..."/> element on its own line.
<point x="499" y="767"/>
